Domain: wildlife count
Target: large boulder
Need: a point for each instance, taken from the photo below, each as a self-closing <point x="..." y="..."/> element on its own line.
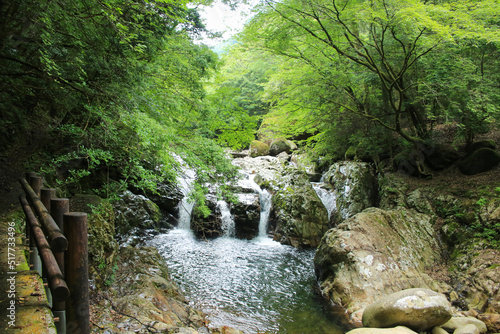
<point x="135" y="213"/>
<point x="418" y="309"/>
<point x="481" y="160"/>
<point x="167" y="197"/>
<point x="280" y="145"/>
<point x="267" y="169"/>
<point x="375" y="253"/>
<point x="301" y="218"/>
<point x="258" y="149"/>
<point x="354" y="186"/>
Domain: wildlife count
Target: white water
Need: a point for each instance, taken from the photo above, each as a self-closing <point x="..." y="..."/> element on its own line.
<point x="186" y="181"/>
<point x="227" y="219"/>
<point x="327" y="197"/>
<point x="265" y="198"/>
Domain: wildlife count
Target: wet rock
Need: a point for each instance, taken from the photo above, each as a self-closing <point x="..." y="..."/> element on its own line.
<point x="418" y="309"/>
<point x="267" y="169"/>
<point x="258" y="149"/>
<point x="481" y="160"/>
<point x="355" y="187"/>
<point x="301" y="218"/>
<point x="209" y="226"/>
<point x="376" y="253"/>
<point x="246" y="215"/>
<point x="395" y="330"/>
<point x="136" y="212"/>
<point x="457" y="322"/>
<point x="167" y="197"/>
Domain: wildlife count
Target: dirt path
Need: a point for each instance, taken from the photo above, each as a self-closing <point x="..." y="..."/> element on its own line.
<point x="23" y="303"/>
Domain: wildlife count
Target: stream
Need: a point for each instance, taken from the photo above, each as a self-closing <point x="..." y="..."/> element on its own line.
<point x="254" y="285"/>
<point x="257" y="286"/>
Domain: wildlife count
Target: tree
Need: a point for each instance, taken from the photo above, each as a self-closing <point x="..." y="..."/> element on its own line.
<point x="371" y="53"/>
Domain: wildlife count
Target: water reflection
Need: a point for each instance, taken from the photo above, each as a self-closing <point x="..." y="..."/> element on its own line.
<point x="253" y="285"/>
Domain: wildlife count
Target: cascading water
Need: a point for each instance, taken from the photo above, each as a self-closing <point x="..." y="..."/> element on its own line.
<point x="265" y="209"/>
<point x="254" y="285"/>
<point x="186" y="181"/>
<point x="227" y="219"/>
<point x="327" y="197"/>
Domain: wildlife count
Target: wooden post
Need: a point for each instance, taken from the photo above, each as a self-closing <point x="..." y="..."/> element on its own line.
<point x="46" y="194"/>
<point x="58" y="207"/>
<point x="77" y="274"/>
<point x="36" y="183"/>
<point x="57" y="240"/>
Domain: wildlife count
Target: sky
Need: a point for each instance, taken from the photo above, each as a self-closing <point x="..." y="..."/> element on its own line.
<point x="220" y="18"/>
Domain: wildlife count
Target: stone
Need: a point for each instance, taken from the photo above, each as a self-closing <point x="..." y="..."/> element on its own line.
<point x="439" y="330"/>
<point x="395" y="330"/>
<point x="300" y="216"/>
<point x="136" y="212"/>
<point x="373" y="254"/>
<point x="488" y="143"/>
<point x="457" y="322"/>
<point x="467" y="329"/>
<point x="491" y="320"/>
<point x="418" y="309"/>
<point x="355" y="187"/>
<point x="246" y="214"/>
<point x="279" y="145"/>
<point x="258" y="148"/>
<point x="479" y="161"/>
<point x="207" y="226"/>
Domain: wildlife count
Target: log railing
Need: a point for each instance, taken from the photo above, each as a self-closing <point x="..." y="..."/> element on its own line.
<point x="59" y="252"/>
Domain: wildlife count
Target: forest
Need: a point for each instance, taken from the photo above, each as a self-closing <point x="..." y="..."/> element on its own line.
<point x="117" y="88"/>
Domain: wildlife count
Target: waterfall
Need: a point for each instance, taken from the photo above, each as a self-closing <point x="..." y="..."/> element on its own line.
<point x="327" y="197"/>
<point x="227" y="219"/>
<point x="265" y="210"/>
<point x="185" y="207"/>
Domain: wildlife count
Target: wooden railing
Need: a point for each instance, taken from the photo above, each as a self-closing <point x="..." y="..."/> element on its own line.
<point x="58" y="243"/>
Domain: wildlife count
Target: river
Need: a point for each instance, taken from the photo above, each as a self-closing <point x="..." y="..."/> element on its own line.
<point x="257" y="286"/>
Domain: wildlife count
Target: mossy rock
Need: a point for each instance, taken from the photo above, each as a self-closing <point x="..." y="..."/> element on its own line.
<point x="258" y="149"/>
<point x="280" y="145"/>
<point x="487" y="143"/>
<point x="480" y="161"/>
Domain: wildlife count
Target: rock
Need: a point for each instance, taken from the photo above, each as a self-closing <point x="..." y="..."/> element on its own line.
<point x="457" y="322"/>
<point x="167" y="197"/>
<point x="207" y="226"/>
<point x="439" y="330"/>
<point x="395" y="330"/>
<point x="136" y="212"/>
<point x="467" y="329"/>
<point x="487" y="143"/>
<point x="477" y="276"/>
<point x="373" y="254"/>
<point x="246" y="215"/>
<point x="142" y="290"/>
<point x="267" y="169"/>
<point x="279" y="145"/>
<point x="481" y="160"/>
<point x="440" y="158"/>
<point x="491" y="320"/>
<point x="301" y="218"/>
<point x="258" y="148"/>
<point x="355" y="187"/>
<point x="418" y="309"/>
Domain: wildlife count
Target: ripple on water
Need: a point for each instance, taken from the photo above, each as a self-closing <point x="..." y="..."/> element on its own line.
<point x="253" y="285"/>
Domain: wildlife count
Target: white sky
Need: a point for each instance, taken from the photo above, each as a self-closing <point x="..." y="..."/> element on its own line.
<point x="220" y="18"/>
